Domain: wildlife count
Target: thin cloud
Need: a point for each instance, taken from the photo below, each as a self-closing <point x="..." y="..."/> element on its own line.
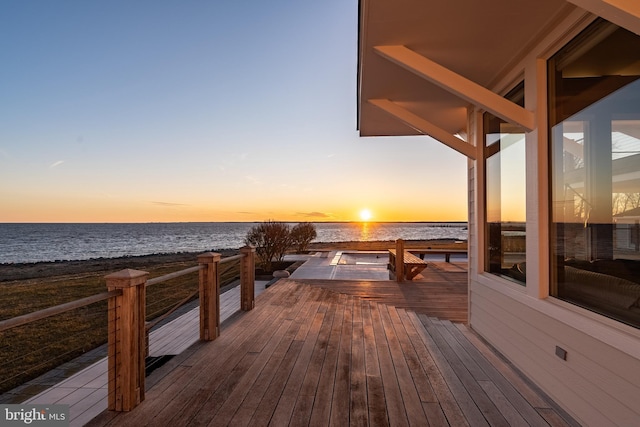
<point x="56" y="164"/>
<point x="168" y="204"/>
<point x="314" y="214"/>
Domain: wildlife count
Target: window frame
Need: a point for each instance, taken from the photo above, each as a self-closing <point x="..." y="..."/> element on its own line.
<point x="517" y="95"/>
<point x="552" y="176"/>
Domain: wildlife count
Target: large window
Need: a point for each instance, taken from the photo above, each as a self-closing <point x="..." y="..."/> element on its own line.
<point x="594" y="113"/>
<point x="505" y="182"/>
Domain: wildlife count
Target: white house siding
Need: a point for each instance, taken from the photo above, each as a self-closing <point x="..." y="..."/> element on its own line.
<point x="599" y="383"/>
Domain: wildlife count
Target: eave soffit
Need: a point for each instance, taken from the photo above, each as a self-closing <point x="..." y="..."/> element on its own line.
<point x="425" y="127"/>
<point x="457" y="85"/>
<point x="625" y="13"/>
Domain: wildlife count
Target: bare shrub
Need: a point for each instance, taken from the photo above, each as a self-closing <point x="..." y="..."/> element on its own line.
<point x="271" y="240"/>
<point x="301" y="235"/>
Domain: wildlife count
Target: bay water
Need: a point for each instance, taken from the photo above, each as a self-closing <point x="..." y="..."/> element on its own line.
<point x="22" y="242"/>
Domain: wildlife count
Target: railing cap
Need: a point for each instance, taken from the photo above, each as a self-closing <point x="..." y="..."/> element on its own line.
<point x="247" y="249"/>
<point x="126" y="278"/>
<point x="208" y="257"/>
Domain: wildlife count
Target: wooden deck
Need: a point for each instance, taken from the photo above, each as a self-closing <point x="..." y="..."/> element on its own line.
<point x="439" y="291"/>
<point x="86" y="391"/>
<point x="308" y="355"/>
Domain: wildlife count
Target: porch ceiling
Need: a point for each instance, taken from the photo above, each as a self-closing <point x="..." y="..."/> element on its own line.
<point x="477" y="40"/>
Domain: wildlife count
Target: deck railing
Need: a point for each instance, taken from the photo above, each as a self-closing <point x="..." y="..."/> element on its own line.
<point x="127" y="328"/>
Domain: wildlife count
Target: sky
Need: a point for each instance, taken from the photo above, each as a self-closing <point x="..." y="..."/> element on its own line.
<point x="225" y="110"/>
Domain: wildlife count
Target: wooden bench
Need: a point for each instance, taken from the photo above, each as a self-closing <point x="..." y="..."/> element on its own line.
<point x="412" y="264"/>
<point x="446" y="252"/>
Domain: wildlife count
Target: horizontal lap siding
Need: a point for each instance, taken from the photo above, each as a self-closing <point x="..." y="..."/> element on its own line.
<point x="598" y="384"/>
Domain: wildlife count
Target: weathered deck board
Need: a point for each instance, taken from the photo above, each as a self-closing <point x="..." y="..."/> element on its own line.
<point x="284" y="411"/>
<point x="468" y="408"/>
<point x="419" y="376"/>
<point x="375" y="392"/>
<point x="441" y="294"/>
<point x="463" y="372"/>
<point x="501" y="384"/>
<point x="311" y="356"/>
<point x="341" y="387"/>
<point x="358" y="413"/>
<point x="443" y="395"/>
<point x="322" y="407"/>
<point x="218" y="368"/>
<point x="409" y="393"/>
<point x="258" y="388"/>
<point x="86" y="391"/>
<point x="304" y="404"/>
<point x="396" y="412"/>
<point x="509" y="374"/>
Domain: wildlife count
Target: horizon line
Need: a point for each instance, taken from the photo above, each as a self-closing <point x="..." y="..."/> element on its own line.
<point x="236" y="222"/>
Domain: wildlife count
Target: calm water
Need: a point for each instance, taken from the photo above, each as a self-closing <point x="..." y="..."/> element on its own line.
<point x="50" y="242"/>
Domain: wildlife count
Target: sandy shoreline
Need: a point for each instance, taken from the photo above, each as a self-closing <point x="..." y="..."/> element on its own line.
<point x="26" y="271"/>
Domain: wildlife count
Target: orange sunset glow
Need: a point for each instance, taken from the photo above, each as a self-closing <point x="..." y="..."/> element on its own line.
<point x="173" y="136"/>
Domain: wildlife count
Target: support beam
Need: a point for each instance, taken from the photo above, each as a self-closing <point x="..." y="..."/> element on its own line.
<point x="625" y="13"/>
<point x="458" y="85"/>
<point x="424" y="126"/>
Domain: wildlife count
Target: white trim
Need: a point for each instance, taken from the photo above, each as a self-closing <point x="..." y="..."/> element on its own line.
<point x="424" y="126"/>
<point x="543" y="213"/>
<point x="458" y="85"/>
<point x="535" y="278"/>
<point x="537" y="254"/>
<point x="625" y="13"/>
<point x="486" y="278"/>
<point x="472" y="233"/>
<point x="479" y="193"/>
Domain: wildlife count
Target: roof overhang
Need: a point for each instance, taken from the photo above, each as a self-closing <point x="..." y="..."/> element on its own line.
<point x="624" y="13"/>
<point x="421" y="64"/>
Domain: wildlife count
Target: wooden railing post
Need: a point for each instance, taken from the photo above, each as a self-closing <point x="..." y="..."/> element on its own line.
<point x="127" y="346"/>
<point x="399" y="260"/>
<point x="209" y="296"/>
<point x="247" y="278"/>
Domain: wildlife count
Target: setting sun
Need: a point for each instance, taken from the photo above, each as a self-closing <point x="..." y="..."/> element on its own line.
<point x="365" y="214"/>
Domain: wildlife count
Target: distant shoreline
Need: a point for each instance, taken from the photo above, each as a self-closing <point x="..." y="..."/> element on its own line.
<point x="251" y="222"/>
<point x="42" y="269"/>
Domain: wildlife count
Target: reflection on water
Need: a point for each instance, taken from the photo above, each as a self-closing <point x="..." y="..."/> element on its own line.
<point x="389" y="231"/>
<point x="364" y="231"/>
